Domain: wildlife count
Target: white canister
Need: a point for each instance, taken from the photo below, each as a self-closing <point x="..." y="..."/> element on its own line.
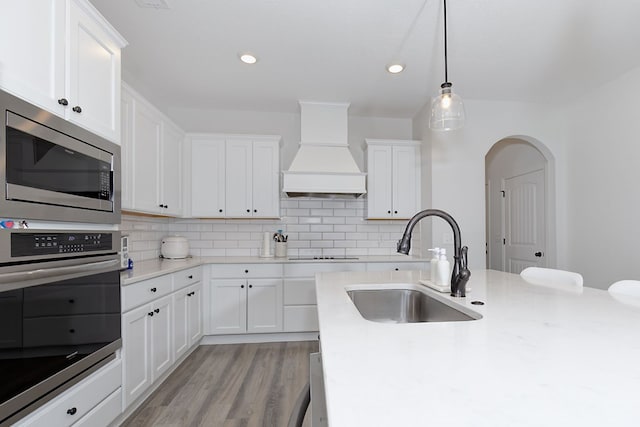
<point x="174" y="247"/>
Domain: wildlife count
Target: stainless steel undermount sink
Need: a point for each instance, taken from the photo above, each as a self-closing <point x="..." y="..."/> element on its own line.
<point x="404" y="306"/>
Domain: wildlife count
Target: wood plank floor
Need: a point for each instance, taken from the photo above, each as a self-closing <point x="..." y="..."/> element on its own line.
<point x="233" y="385"/>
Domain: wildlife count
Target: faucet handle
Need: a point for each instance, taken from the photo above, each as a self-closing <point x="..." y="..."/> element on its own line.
<point x="463" y="260"/>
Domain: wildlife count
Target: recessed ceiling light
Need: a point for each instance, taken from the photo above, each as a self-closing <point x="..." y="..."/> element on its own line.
<point x="395" y="68"/>
<point x="248" y="58"/>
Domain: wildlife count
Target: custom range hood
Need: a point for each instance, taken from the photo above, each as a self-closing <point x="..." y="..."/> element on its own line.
<point x="323" y="165"/>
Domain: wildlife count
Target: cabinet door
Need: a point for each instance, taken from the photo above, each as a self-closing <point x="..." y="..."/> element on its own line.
<point x="406" y="193"/>
<point x="146" y="159"/>
<point x="171" y="191"/>
<point x="136" y="354"/>
<point x="194" y="313"/>
<point x="93" y="75"/>
<point x="266" y="179"/>
<point x="238" y="192"/>
<point x="32" y="59"/>
<point x="228" y="306"/>
<point x="180" y="322"/>
<point x="161" y="331"/>
<point x="379" y="178"/>
<point x="208" y="172"/>
<point x="264" y="306"/>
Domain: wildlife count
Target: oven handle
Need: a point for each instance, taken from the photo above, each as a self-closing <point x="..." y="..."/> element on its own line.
<point x="53" y="272"/>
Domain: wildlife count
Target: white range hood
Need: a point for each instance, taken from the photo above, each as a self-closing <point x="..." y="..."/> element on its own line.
<point x="323" y="165"/>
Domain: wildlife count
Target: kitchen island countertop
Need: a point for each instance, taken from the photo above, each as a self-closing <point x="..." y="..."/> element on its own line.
<point x="537" y="357"/>
<point x="144" y="270"/>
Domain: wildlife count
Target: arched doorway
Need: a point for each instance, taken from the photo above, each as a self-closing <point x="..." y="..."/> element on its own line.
<point x="520" y="204"/>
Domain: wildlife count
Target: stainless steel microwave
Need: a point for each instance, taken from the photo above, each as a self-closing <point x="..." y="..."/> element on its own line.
<point x="51" y="169"/>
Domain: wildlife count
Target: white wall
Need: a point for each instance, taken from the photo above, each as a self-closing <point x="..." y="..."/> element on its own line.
<point x="603" y="197"/>
<point x="458" y="163"/>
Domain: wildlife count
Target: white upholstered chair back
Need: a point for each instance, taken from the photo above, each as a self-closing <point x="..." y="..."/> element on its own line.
<point x="549" y="277"/>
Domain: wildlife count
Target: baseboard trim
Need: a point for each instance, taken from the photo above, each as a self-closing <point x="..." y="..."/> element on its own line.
<point x="258" y="338"/>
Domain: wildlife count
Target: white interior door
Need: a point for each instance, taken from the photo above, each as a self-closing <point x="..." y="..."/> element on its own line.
<point x="524" y="221"/>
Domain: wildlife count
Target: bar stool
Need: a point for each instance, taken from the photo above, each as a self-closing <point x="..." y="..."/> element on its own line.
<point x="549" y="277"/>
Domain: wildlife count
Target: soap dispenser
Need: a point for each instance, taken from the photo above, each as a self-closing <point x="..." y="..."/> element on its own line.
<point x="444" y="269"/>
<point x="434" y="265"/>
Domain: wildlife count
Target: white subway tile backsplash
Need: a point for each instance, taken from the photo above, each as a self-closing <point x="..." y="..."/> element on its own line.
<point x="315" y="227"/>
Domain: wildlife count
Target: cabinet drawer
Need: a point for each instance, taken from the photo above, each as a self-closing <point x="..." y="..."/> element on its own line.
<point x="391" y="266"/>
<point x="299" y="291"/>
<point x="72" y="405"/>
<point x="300" y="318"/>
<point x="246" y="270"/>
<point x="310" y="269"/>
<point x="104" y="413"/>
<point x="185" y="278"/>
<point x="143" y="292"/>
<point x="70" y="330"/>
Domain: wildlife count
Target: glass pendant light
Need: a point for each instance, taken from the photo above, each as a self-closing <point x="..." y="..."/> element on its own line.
<point x="447" y="109"/>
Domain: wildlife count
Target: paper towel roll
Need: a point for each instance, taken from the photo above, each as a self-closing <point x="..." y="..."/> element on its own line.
<point x="266" y="245"/>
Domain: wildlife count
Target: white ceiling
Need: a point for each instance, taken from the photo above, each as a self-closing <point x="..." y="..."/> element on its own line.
<point x="548" y="51"/>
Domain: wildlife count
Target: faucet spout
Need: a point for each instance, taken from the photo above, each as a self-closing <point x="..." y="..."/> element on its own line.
<point x="460" y="273"/>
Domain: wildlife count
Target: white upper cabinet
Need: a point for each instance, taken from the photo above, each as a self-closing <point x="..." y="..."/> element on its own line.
<point x="65" y="58"/>
<point x="235" y="176"/>
<point x="208" y="177"/>
<point x="393" y="178"/>
<point x="151" y="158"/>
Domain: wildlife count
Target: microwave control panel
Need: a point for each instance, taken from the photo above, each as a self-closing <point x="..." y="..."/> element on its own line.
<point x="29" y="244"/>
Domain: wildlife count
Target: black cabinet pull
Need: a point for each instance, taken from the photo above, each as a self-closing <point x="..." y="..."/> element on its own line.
<point x="150" y="313"/>
<point x="72" y="411"/>
<point x="160" y="205"/>
<point x="157" y="310"/>
<point x="72" y="331"/>
<point x="77" y="109"/>
<point x="63" y="101"/>
<point x="153" y="289"/>
<point x="71" y="301"/>
<point x="190" y="276"/>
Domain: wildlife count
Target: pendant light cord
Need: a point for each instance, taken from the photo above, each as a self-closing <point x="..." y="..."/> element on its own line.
<point x="446" y="73"/>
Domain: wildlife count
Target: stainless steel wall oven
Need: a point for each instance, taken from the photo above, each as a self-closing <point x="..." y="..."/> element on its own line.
<point x="59" y="313"/>
<point x="51" y="169"/>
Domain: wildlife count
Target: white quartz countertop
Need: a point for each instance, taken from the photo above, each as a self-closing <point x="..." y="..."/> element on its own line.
<point x="149" y="269"/>
<point x="537" y="357"/>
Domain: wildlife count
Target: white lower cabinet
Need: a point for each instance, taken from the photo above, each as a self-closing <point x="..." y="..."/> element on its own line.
<point x="161" y="322"/>
<point x="147" y="350"/>
<point x="91" y="402"/>
<point x="300" y="309"/>
<point x="245" y="298"/>
<point x="187" y="315"/>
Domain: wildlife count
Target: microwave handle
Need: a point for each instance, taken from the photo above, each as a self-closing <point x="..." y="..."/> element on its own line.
<point x="52" y="273"/>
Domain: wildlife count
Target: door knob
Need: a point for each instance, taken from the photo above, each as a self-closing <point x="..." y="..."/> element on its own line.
<point x="538" y="254"/>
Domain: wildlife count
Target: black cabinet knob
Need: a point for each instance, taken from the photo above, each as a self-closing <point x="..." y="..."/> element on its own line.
<point x="255" y="210"/>
<point x="63" y="101"/>
<point x="153" y="289"/>
<point x="388" y="212"/>
<point x="250" y="286"/>
<point x="395" y="212"/>
<point x="71" y="301"/>
<point x="241" y="286"/>
<point x="397" y="269"/>
<point x="157" y="310"/>
<point x="77" y="109"/>
<point x="150" y="313"/>
<point x="538" y="254"/>
<point x="72" y="331"/>
<point x="248" y="210"/>
<point x="220" y="210"/>
<point x="72" y="411"/>
<point x="246" y="271"/>
<point x="190" y="276"/>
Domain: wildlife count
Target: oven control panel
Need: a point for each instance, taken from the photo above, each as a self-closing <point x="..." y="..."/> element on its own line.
<point x="62" y="243"/>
